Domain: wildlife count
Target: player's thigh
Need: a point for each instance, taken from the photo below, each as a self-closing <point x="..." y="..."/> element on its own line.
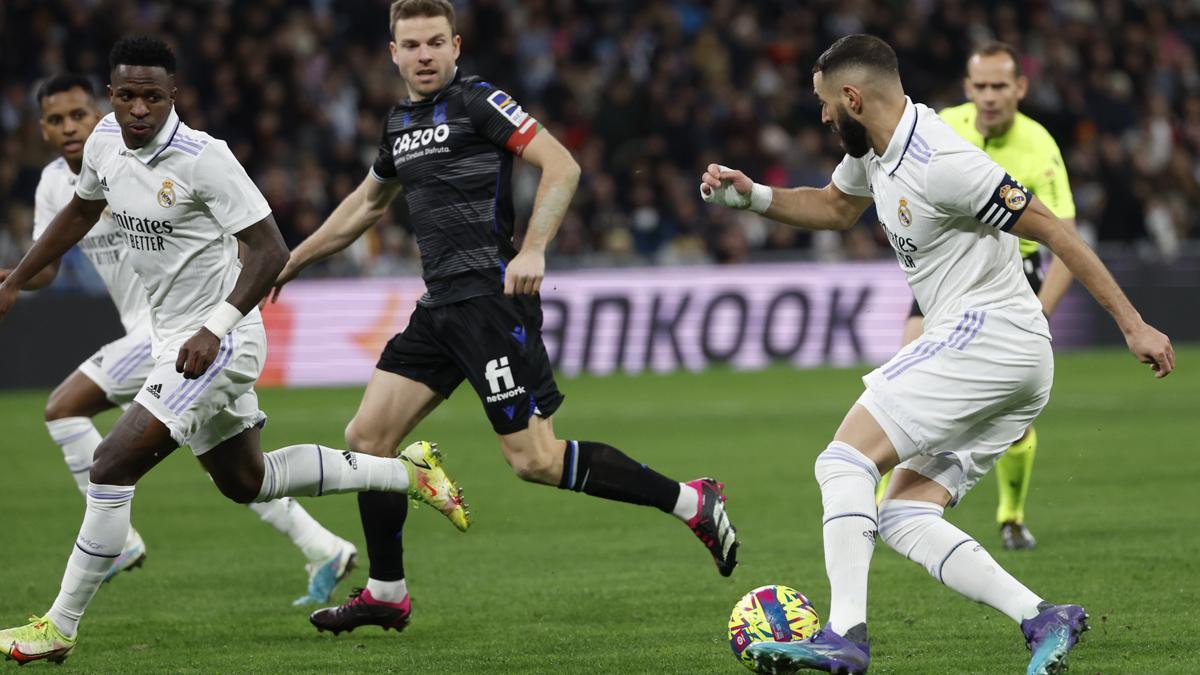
<point x="866" y="431"/>
<point x="496" y="342"/>
<point x="912" y="486"/>
<point x="135" y="445"/>
<point x="391" y="408"/>
<point x="959" y="464"/>
<point x="219" y="404"/>
<point x="964" y="371"/>
<point x="76" y="396"/>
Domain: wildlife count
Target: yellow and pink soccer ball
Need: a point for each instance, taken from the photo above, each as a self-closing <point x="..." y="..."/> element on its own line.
<point x="770" y="613"/>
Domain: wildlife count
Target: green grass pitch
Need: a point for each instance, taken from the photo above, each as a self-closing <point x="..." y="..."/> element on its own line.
<point x="553" y="582"/>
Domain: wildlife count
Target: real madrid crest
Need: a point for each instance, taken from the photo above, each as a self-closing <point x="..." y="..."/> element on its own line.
<point x="1013" y="198"/>
<point x="166" y="195"/>
<point x="905" y="213"/>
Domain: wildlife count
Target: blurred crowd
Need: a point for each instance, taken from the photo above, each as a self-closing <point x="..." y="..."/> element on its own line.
<point x="645" y="93"/>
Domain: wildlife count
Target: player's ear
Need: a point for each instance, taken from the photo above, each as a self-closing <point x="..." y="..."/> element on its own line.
<point x="967" y="89"/>
<point x="457" y="42"/>
<point x="392" y="49"/>
<point x="853" y="98"/>
<point x="1022" y="87"/>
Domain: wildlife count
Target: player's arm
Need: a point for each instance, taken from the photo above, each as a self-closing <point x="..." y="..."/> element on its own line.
<point x="356" y="214"/>
<point x="68" y="227"/>
<point x="1058" y="280"/>
<point x="1146" y="343"/>
<point x="827" y="208"/>
<point x="38" y="281"/>
<point x="560" y="177"/>
<point x="263" y="255"/>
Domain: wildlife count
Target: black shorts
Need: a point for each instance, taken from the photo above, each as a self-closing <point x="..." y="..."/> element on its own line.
<point x="495" y="342"/>
<point x="1032" y="265"/>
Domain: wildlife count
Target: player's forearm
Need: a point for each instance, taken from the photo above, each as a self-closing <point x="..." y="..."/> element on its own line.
<point x="1054" y="287"/>
<point x="67" y="228"/>
<point x="809" y="208"/>
<point x="1086" y="266"/>
<point x="555" y="191"/>
<point x="42" y="279"/>
<point x="347" y="223"/>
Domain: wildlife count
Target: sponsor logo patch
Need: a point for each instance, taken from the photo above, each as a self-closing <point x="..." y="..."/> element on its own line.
<point x="508" y="107"/>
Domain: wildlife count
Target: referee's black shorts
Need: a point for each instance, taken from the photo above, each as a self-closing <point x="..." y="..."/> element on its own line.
<point x="495" y="341"/>
<point x="1033" y="274"/>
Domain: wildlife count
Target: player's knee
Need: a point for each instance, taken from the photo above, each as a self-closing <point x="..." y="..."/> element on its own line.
<point x="240" y="490"/>
<point x="58" y="407"/>
<point x="529" y="462"/>
<point x="359" y="440"/>
<point x="109" y="466"/>
<point x="842" y="459"/>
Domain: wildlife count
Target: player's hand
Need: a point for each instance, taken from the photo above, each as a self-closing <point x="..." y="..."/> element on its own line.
<point x="1151" y="346"/>
<point x="725" y="186"/>
<point x="524" y="273"/>
<point x="8" y="296"/>
<point x="197" y="354"/>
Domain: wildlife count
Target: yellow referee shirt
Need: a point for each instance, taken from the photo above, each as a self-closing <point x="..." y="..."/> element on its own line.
<point x="1028" y="153"/>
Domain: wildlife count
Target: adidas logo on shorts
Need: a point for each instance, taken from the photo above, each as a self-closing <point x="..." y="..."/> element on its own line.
<point x="155" y="390"/>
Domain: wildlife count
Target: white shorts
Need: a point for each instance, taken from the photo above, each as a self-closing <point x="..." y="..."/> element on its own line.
<point x="953" y="401"/>
<point x="120" y="367"/>
<point x="218" y="405"/>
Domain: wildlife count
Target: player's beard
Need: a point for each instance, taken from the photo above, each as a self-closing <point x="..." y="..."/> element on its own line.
<point x="852" y="134"/>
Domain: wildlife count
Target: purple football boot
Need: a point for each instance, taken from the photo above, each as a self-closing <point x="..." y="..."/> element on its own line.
<point x="824" y="650"/>
<point x="1050" y="636"/>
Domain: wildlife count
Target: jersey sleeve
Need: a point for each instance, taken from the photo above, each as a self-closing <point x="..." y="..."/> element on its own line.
<point x="1053" y="185"/>
<point x="850" y="177"/>
<point x="44" y="208"/>
<point x="88" y="186"/>
<point x="223" y="186"/>
<point x="969" y="183"/>
<point x="499" y="118"/>
<point x="384" y="168"/>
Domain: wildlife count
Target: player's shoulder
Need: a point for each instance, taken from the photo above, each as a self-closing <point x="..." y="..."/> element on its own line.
<point x="1032" y="134"/>
<point x="106" y="134"/>
<point x="55" y="169"/>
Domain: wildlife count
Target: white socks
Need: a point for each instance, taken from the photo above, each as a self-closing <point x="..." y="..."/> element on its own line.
<point x="292" y="521"/>
<point x="78" y="438"/>
<point x="847" y="479"/>
<point x="687" y="505"/>
<point x="311" y="470"/>
<point x="387" y="591"/>
<point x="917" y="531"/>
<point x="101" y="539"/>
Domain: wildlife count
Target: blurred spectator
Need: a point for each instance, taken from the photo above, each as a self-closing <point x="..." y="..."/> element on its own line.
<point x="645" y="94"/>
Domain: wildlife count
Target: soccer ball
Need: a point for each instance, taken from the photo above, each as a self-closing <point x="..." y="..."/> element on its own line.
<point x="770" y="613"/>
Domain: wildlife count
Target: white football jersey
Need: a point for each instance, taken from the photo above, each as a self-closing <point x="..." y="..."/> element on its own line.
<point x="178" y="200"/>
<point x="103" y="245"/>
<point x="946" y="208"/>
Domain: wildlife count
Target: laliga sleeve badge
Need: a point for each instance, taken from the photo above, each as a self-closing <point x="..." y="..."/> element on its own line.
<point x="905" y="213"/>
<point x="166" y="195"/>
